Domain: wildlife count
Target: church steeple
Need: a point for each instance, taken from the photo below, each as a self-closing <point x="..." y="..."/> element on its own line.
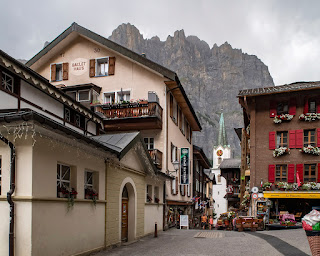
<point x="222" y="136"/>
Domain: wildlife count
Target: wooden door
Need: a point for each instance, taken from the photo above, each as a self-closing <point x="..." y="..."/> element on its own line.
<point x="124" y="220"/>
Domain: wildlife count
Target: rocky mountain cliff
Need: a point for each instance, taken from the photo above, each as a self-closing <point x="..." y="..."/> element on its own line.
<point x="212" y="77"/>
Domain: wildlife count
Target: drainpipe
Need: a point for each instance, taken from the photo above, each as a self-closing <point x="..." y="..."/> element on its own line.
<point x="11" y="191"/>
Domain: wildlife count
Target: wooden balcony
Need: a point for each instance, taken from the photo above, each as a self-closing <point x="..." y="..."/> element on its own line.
<point x="131" y="116"/>
<point x="156" y="156"/>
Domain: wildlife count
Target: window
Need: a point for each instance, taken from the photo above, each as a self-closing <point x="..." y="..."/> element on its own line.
<point x="174" y="153"/>
<point x="149" y="194"/>
<point x="91" y="182"/>
<point x="182" y="190"/>
<point x="189" y="190"/>
<point x="109" y="98"/>
<point x="309" y="138"/>
<point x="59" y="71"/>
<point x="282" y="139"/>
<point x="67" y="114"/>
<point x="281" y="172"/>
<point x="312" y="106"/>
<point x="63" y="180"/>
<point x="309" y="172"/>
<point x="156" y="194"/>
<point x="200" y="183"/>
<point x="149" y="143"/>
<point x="173" y="109"/>
<point x="77" y="121"/>
<point x="180" y="116"/>
<point x="7" y="82"/>
<point x="197" y="185"/>
<point x="173" y="187"/>
<point x="84" y="95"/>
<point x="282" y="108"/>
<point x="123" y="96"/>
<point x="171" y="105"/>
<point x="102" y="66"/>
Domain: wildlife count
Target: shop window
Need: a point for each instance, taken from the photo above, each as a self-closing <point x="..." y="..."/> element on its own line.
<point x="149" y="194"/>
<point x="149" y="143"/>
<point x="91" y="183"/>
<point x="281" y="173"/>
<point x="309" y="138"/>
<point x="7" y="82"/>
<point x="309" y="172"/>
<point x="65" y="184"/>
<point x="156" y="194"/>
<point x="282" y="139"/>
<point x="282" y="108"/>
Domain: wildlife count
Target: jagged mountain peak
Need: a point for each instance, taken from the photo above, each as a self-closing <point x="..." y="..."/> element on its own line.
<point x="212" y="77"/>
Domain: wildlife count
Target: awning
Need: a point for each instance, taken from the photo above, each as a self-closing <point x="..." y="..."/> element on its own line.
<point x="291" y="194"/>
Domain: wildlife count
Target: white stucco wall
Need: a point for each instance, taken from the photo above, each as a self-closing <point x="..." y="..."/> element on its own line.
<point x="7" y="101"/>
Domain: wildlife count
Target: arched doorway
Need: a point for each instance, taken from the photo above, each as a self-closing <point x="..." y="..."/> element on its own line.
<point x="124" y="215"/>
<point x="128" y="212"/>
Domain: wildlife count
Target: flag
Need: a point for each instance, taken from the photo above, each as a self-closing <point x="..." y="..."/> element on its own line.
<point x="298" y="180"/>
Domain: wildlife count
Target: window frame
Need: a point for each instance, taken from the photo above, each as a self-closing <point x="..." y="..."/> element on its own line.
<point x="310" y="110"/>
<point x="281" y="143"/>
<point x="148" y="143"/>
<point x="149" y="193"/>
<point x="97" y="65"/>
<point x="174" y="153"/>
<point x="281" y="177"/>
<point x="311" y="178"/>
<point x="78" y="95"/>
<point x="281" y="107"/>
<point x="95" y="183"/>
<point x="60" y="181"/>
<point x="111" y="95"/>
<point x="309" y="138"/>
<point x="173" y="187"/>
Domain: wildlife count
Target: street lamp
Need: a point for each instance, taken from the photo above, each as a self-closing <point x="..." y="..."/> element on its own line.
<point x="176" y="166"/>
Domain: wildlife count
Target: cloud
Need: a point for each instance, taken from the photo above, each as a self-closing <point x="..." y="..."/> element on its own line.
<point x="283" y="34"/>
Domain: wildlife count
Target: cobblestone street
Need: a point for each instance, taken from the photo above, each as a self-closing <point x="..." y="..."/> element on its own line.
<point x="218" y="242"/>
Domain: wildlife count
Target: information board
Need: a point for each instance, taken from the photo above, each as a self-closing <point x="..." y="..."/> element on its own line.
<point x="184" y="221"/>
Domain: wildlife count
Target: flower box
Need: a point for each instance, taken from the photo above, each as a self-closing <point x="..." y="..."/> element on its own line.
<point x="280" y="151"/>
<point x="311" y="150"/>
<point x="309" y="117"/>
<point x="283" y="117"/>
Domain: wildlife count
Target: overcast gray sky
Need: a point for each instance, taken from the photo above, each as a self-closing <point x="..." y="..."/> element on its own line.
<point x="283" y="34"/>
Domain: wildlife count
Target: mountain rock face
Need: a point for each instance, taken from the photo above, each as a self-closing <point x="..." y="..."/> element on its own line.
<point x="212" y="78"/>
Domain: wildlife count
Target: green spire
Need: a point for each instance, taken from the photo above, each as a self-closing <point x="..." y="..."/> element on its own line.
<point x="222" y="137"/>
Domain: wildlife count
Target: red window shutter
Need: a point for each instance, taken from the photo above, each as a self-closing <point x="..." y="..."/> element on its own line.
<point x="318" y="180"/>
<point x="290" y="173"/>
<point x="292" y="106"/>
<point x="306" y="106"/>
<point x="300" y="171"/>
<point x="273" y="108"/>
<point x="272" y="173"/>
<point x="318" y="105"/>
<point x="299" y="138"/>
<point x="92" y="72"/>
<point x="318" y="137"/>
<point x="65" y="68"/>
<point x="272" y="140"/>
<point x="292" y="139"/>
<point x="112" y="63"/>
<point x="53" y="72"/>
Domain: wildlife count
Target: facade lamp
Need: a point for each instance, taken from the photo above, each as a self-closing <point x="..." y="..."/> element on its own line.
<point x="176" y="166"/>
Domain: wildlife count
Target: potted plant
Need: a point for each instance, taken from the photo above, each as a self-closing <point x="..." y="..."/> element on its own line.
<point x="288" y="187"/>
<point x="311" y="150"/>
<point x="280" y="151"/>
<point x="267" y="186"/>
<point x="157" y="200"/>
<point x="90" y="193"/>
<point x="282" y="185"/>
<point x="149" y="199"/>
<point x="306" y="186"/>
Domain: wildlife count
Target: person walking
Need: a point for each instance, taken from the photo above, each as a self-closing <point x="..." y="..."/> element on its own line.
<point x="210" y="222"/>
<point x="204" y="221"/>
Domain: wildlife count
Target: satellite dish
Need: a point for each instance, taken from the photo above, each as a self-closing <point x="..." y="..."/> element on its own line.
<point x="255" y="190"/>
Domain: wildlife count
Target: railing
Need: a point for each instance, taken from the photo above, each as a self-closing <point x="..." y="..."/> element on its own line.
<point x="156" y="156"/>
<point x="142" y="109"/>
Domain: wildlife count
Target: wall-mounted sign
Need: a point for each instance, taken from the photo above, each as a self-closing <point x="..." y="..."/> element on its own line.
<point x="184" y="166"/>
<point x="254" y="196"/>
<point x="79" y="66"/>
<point x="219" y="152"/>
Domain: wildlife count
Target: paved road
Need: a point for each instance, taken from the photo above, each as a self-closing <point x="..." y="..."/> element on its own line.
<point x="176" y="242"/>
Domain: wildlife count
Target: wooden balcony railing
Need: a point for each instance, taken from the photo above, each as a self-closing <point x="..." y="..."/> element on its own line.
<point x="145" y="109"/>
<point x="156" y="156"/>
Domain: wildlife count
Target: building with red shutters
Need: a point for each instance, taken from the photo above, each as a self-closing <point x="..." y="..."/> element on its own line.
<point x="282" y="128"/>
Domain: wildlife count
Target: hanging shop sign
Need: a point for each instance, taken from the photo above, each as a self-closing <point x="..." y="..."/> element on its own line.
<point x="310" y="195"/>
<point x="184" y="166"/>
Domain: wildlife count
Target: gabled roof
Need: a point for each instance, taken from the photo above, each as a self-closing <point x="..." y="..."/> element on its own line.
<point x="165" y="72"/>
<point x="43" y="84"/>
<point x="297" y="86"/>
<point x="230" y="163"/>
